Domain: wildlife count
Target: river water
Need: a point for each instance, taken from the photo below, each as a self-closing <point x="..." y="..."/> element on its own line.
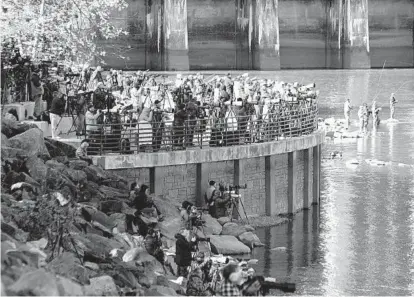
<point x="360" y="240"/>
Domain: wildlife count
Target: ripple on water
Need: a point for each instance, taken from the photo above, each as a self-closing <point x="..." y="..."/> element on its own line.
<point x="360" y="242"/>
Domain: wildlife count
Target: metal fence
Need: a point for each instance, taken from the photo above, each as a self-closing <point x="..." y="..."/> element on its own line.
<point x="167" y="135"/>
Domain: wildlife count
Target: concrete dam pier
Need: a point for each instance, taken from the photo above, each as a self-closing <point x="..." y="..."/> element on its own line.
<point x="263" y="34"/>
<point x="282" y="177"/>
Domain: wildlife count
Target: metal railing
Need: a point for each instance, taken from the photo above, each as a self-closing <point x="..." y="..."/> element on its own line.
<point x="167" y="135"/>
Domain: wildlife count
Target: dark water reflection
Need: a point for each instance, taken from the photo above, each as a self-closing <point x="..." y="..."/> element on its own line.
<point x="360" y="240"/>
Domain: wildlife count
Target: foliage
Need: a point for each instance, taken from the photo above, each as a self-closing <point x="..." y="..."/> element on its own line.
<point x="60" y="29"/>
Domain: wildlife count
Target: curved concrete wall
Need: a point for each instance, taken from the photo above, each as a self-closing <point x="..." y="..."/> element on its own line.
<point x="282" y="176"/>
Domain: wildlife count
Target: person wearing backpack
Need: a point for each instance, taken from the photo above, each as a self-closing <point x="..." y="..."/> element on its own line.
<point x="210" y="196"/>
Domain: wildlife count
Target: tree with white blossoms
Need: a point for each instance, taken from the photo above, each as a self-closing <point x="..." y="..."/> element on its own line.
<point x="62" y="29"/>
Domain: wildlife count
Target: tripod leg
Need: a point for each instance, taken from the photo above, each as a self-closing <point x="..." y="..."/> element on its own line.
<point x="244" y="210"/>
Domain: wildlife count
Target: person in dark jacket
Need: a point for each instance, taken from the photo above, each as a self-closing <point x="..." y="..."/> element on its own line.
<point x="179" y="125"/>
<point x="56" y="111"/>
<point x="153" y="245"/>
<point x="192" y="110"/>
<point x="183" y="248"/>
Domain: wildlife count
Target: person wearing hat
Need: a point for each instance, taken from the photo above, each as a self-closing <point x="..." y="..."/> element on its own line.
<point x="80" y="113"/>
<point x="234" y="282"/>
<point x="157" y="123"/>
<point x="56" y="111"/>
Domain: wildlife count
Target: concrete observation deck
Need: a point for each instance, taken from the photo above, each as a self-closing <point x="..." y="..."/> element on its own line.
<point x="282" y="176"/>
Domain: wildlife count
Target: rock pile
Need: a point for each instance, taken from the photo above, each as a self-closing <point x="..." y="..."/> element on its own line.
<point x="63" y="225"/>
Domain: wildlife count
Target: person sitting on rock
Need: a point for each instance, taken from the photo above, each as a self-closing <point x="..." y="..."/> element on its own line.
<point x="82" y="152"/>
<point x="153" y="244"/>
<point x="142" y="200"/>
<point x="184" y="245"/>
<point x="199" y="278"/>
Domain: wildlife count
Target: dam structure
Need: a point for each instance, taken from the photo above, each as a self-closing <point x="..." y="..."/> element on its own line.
<point x="179" y="35"/>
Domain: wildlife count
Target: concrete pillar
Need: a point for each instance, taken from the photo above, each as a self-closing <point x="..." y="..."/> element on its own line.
<point x="347" y="34"/>
<point x="175" y="35"/>
<point x="201" y="183"/>
<point x="239" y="180"/>
<point x="316" y="174"/>
<point x="154" y="47"/>
<point x="265" y="38"/>
<point x="292" y="179"/>
<point x="244" y="23"/>
<point x="270" y="185"/>
<point x="307" y="178"/>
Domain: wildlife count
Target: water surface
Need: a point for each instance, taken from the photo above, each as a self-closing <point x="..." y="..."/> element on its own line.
<point x="360" y="240"/>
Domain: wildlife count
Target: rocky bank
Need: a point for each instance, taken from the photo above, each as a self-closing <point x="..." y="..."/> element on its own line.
<point x="63" y="225"/>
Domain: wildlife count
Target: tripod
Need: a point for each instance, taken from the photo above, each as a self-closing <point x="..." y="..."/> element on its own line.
<point x="198" y="225"/>
<point x="234" y="206"/>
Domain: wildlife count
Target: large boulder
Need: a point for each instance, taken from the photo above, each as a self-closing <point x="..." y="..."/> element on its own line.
<point x="212" y="226"/>
<point x="37" y="168"/>
<point x="101" y="286"/>
<point x="170" y="227"/>
<point x="113" y="193"/>
<point x="95" y="246"/>
<point x="227" y="245"/>
<point x="4" y="140"/>
<point x="75" y="175"/>
<point x="68" y="265"/>
<point x="69" y="288"/>
<point x="250" y="239"/>
<point x="120" y="221"/>
<point x="95" y="173"/>
<point x="223" y="220"/>
<point x="168" y="208"/>
<point x="31" y="141"/>
<point x="35" y="283"/>
<point x="91" y="214"/>
<point x="11" y="152"/>
<point x="12" y="128"/>
<point x="58" y="148"/>
<point x="78" y="164"/>
<point x="233" y="229"/>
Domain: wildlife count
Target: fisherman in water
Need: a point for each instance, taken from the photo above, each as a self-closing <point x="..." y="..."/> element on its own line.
<point x="392" y="105"/>
<point x="363" y="118"/>
<point x="347" y="112"/>
<point x="375" y="115"/>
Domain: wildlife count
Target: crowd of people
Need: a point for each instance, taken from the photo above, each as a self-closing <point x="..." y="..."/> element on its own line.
<point x="201" y="274"/>
<point x="365" y="112"/>
<point x="178" y="113"/>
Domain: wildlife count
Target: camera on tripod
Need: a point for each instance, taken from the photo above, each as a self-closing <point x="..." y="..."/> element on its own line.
<point x="237" y="187"/>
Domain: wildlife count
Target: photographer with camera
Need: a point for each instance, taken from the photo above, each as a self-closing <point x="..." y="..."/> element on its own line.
<point x="158" y="125"/>
<point x="222" y="202"/>
<point x="234" y="282"/>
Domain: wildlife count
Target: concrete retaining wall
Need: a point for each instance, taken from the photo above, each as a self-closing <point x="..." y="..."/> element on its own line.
<point x="281" y="176"/>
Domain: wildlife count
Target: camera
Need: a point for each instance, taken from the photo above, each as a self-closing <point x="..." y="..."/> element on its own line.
<point x="237" y="187"/>
<point x="270" y="283"/>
